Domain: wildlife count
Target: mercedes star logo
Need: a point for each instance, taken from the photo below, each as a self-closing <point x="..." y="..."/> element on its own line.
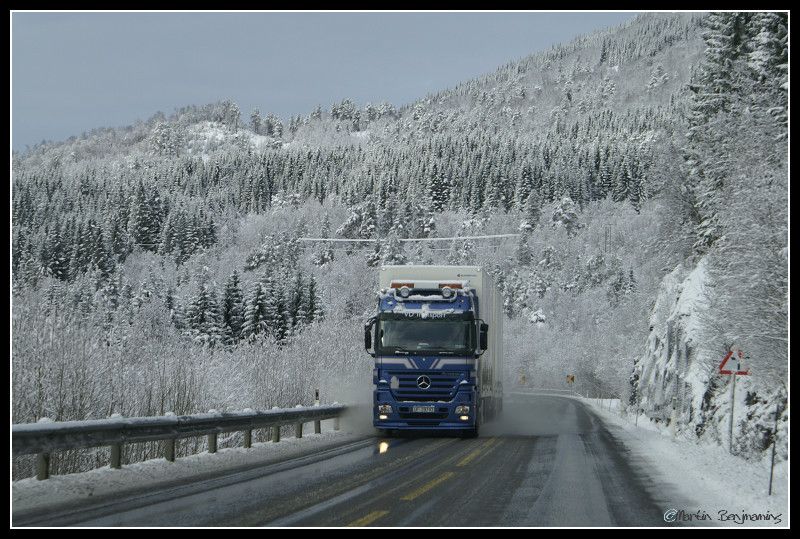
<point x="423" y="382"/>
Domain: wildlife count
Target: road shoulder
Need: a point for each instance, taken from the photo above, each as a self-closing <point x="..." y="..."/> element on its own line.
<point x="33" y="499"/>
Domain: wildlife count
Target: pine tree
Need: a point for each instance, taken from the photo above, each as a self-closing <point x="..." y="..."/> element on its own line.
<point x="637" y="195"/>
<point x="255" y="121"/>
<point x="616" y="287"/>
<point x="278" y="315"/>
<point x="325" y="255"/>
<point x="631" y="281"/>
<point x="392" y="251"/>
<point x="254" y="310"/>
<point x="297" y="302"/>
<point x="114" y="237"/>
<point x="622" y="187"/>
<point x="232" y="310"/>
<point x="524" y="252"/>
<point x="605" y="180"/>
<point x="140" y="225"/>
<point x="438" y="189"/>
<point x="726" y="40"/>
<point x="203" y="317"/>
<point x="657" y="77"/>
<point x="715" y="88"/>
<point x="533" y="212"/>
<point x="314" y="307"/>
<point x="54" y="254"/>
<point x="565" y="214"/>
<point x="769" y="63"/>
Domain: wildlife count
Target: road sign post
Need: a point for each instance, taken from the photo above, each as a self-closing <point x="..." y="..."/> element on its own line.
<point x="730" y="423"/>
<point x="774" y="443"/>
<point x="738" y="354"/>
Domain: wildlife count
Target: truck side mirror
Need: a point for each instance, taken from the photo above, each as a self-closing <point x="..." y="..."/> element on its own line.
<point x="484" y="336"/>
<point x="368" y="335"/>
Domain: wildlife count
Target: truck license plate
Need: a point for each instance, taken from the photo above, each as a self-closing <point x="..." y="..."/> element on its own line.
<point x="423" y="409"/>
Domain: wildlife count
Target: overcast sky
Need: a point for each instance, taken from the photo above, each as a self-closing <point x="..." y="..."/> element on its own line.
<point x="72" y="72"/>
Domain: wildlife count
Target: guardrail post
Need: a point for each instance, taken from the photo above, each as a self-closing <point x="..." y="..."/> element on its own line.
<point x="212" y="443"/>
<point x="336" y="423"/>
<point x="248" y="439"/>
<point x="298" y="430"/>
<point x="317" y="423"/>
<point x="169" y="450"/>
<point x="42" y="466"/>
<point x="276" y="434"/>
<point x="116" y="456"/>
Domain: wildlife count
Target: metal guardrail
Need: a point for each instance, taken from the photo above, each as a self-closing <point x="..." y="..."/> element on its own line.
<point x="45" y="438"/>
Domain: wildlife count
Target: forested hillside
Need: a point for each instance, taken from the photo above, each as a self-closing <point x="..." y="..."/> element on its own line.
<point x="158" y="268"/>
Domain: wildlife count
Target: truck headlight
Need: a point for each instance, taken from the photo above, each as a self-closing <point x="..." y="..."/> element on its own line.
<point x="384" y="409"/>
<point x="461" y="410"/>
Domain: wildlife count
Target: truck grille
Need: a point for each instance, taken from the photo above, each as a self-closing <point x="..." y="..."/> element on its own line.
<point x="443" y="386"/>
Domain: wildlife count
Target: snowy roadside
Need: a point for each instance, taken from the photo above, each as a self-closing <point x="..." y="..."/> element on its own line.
<point x="720" y="485"/>
<point x="95" y="485"/>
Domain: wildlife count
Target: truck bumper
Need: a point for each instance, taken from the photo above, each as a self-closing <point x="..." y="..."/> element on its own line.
<point x="444" y="416"/>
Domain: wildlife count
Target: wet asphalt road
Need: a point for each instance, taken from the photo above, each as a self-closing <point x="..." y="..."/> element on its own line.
<point x="548" y="462"/>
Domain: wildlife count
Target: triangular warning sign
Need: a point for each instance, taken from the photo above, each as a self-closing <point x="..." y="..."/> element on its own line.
<point x="728" y="356"/>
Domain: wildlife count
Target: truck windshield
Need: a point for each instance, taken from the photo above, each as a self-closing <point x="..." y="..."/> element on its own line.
<point x="430" y="335"/>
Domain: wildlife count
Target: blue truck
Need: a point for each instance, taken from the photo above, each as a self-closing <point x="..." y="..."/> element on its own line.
<point x="437" y="343"/>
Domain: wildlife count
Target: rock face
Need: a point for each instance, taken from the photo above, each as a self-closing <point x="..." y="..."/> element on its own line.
<point x="676" y="381"/>
<point x="670" y="375"/>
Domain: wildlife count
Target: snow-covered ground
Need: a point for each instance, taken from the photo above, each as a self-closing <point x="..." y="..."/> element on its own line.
<point x="28" y="494"/>
<point x="707" y="474"/>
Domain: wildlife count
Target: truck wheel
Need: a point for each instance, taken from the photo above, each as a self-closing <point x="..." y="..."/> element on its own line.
<point x="471" y="433"/>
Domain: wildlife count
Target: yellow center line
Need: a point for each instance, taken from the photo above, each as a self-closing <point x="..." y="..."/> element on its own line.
<point x="469" y="458"/>
<point x="368" y="519"/>
<point x="428" y="486"/>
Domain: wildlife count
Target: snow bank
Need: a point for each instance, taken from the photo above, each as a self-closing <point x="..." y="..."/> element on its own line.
<point x="703" y="473"/>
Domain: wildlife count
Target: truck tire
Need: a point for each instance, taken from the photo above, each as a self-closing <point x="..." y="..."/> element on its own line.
<point x="471" y="433"/>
